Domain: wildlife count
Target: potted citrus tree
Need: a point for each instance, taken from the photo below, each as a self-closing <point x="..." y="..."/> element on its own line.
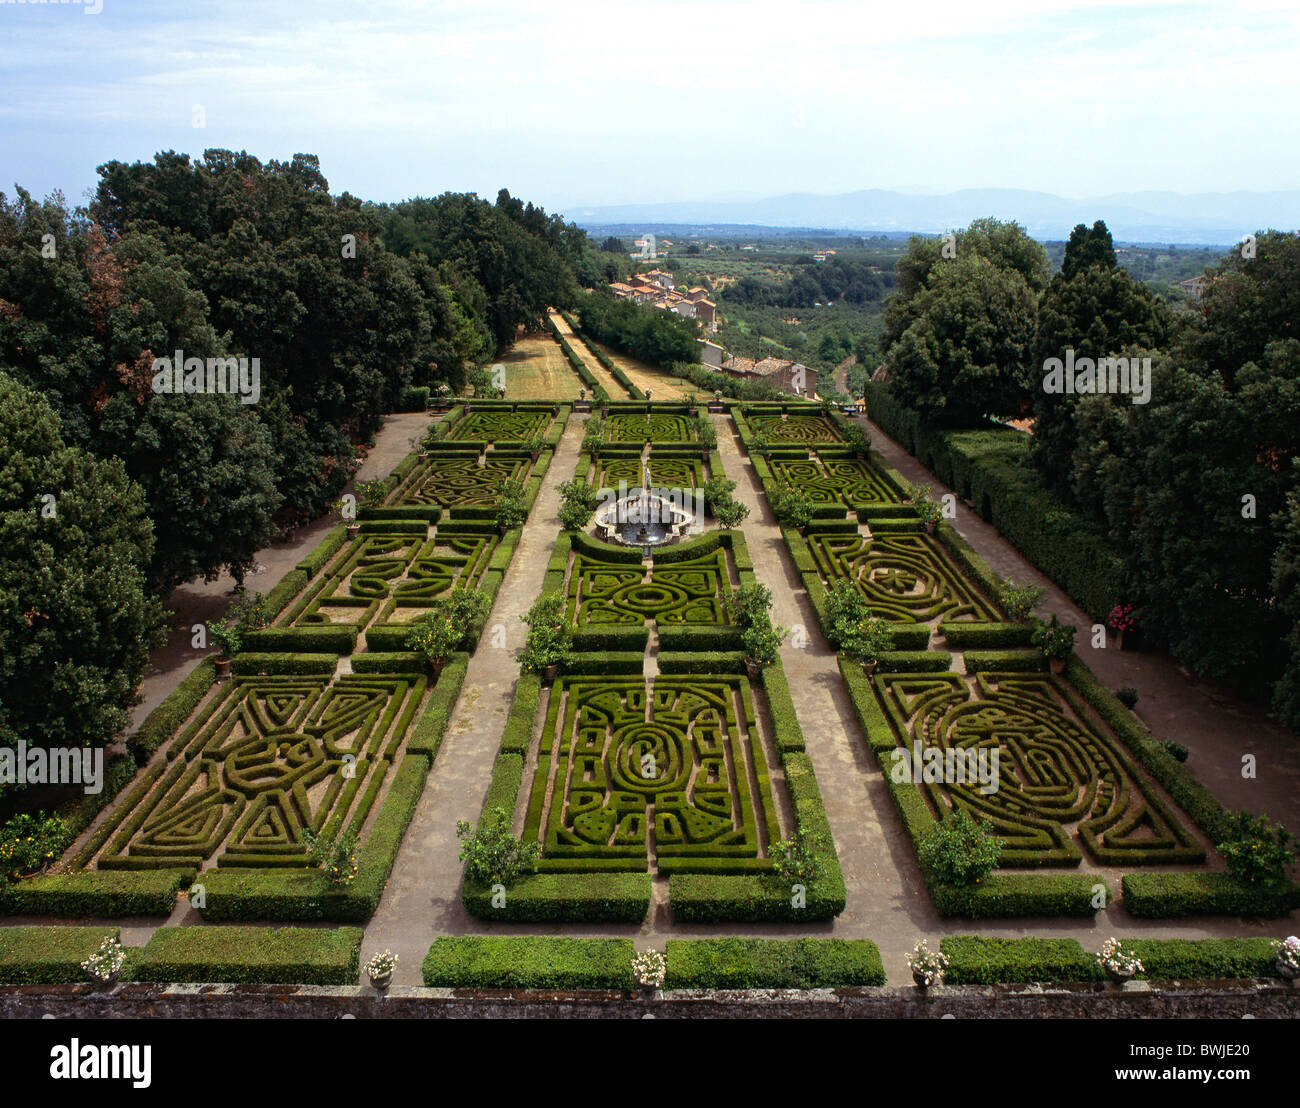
<point x="762" y="644"/>
<point x="511" y="511"/>
<point x="1056" y="641"/>
<point x="227" y="635"/>
<point x="436" y="635"/>
<point x="928" y="509"/>
<point x="864" y="640"/>
<point x="549" y="642"/>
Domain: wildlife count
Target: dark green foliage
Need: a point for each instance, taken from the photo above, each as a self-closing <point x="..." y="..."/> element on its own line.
<point x="659" y="338"/>
<point x="559" y="897"/>
<point x="1170" y="895"/>
<point x="76" y="621"/>
<point x="976" y="960"/>
<point x="528" y="962"/>
<point x="254" y="955"/>
<point x="772" y="963"/>
<point x="96" y="894"/>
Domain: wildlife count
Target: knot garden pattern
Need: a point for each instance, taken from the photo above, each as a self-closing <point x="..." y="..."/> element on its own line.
<point x="795" y="428"/>
<point x="502" y="426"/>
<point x="270" y="757"/>
<point x="457" y="480"/>
<point x="654" y="427"/>
<point x="621" y="763"/>
<point x="392" y="578"/>
<point x="905" y="578"/>
<point x="692" y="591"/>
<point x="665" y="472"/>
<point x="832" y="480"/>
<point x="1059" y="776"/>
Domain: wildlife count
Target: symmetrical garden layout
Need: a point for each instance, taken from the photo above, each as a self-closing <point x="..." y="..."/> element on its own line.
<point x="625" y="767"/>
<point x="653" y="754"/>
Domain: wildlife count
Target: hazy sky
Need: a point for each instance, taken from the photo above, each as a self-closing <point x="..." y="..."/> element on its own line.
<point x="609" y="102"/>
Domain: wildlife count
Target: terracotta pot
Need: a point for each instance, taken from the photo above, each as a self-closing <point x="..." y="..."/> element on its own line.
<point x="354" y="529"/>
<point x="930" y="528"/>
<point x="549" y="673"/>
<point x="1119" y="640"/>
<point x="223" y="668"/>
<point x="437" y="665"/>
<point x="503" y="529"/>
<point x="534" y="454"/>
<point x="870" y="667"/>
<point x="752" y="668"/>
<point x="1057" y="665"/>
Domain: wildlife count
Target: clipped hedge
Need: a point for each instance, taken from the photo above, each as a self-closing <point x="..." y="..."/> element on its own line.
<point x="299" y="664"/>
<point x="49" y="955"/>
<point x="96" y="894"/>
<point x="985" y="636"/>
<point x="253" y="955"/>
<point x="772" y="963"/>
<point x="976" y="960"/>
<point x="324" y="550"/>
<point x="166" y="719"/>
<point x="1171" y="895"/>
<point x="335" y="639"/>
<point x="564" y="898"/>
<point x="1003" y="895"/>
<point x="990" y="467"/>
<point x="529" y="962"/>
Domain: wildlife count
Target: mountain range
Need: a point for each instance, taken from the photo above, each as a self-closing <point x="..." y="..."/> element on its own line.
<point x="1218" y="219"/>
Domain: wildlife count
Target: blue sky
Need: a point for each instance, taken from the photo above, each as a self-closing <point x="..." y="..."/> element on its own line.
<point x="582" y="103"/>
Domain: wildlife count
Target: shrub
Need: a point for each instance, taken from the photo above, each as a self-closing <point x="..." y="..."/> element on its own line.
<point x="30" y="843"/>
<point x="436" y="635"/>
<point x="573" y="515"/>
<point x="791" y="506"/>
<point x="929" y="510"/>
<point x="49" y="955"/>
<point x="593" y="436"/>
<point x="1054" y="639"/>
<point x="1170" y="895"/>
<point x="578" y="491"/>
<point x="795" y="860"/>
<point x="493" y="855"/>
<point x="731" y="513"/>
<point x="750" y="602"/>
<point x="959" y="851"/>
<point x="372" y="493"/>
<point x="852" y="628"/>
<point x="1257" y="850"/>
<point x="336" y="856"/>
<point x="1176" y="750"/>
<point x="1128" y="696"/>
<point x="227" y="635"/>
<point x="1019" y="601"/>
<point x="550" y="636"/>
<point x="717" y="490"/>
<point x="979" y="960"/>
<point x="762" y="641"/>
<point x="865" y="640"/>
<point x="510" y="508"/>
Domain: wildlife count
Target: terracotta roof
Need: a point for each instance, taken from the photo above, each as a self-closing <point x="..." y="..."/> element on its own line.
<point x="741" y="365"/>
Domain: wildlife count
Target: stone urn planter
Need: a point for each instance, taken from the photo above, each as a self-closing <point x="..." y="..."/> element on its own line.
<point x="870" y="667"/>
<point x="436" y="666"/>
<point x="381" y="981"/>
<point x="919" y="977"/>
<point x="550" y="673"/>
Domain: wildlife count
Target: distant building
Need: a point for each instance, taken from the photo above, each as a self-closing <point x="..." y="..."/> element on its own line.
<point x="658" y="289"/>
<point x="1194" y="286"/>
<point x="711" y="354"/>
<point x="786" y="376"/>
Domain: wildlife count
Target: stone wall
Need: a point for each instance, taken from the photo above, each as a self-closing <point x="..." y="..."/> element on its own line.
<point x="1137" y="1000"/>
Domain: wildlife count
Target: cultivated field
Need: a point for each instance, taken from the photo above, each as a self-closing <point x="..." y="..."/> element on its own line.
<point x="662" y="384"/>
<point x="536" y="369"/>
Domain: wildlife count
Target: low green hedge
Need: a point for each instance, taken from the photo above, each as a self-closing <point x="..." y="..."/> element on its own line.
<point x="253" y="955"/>
<point x="518" y="734"/>
<point x="529" y="962"/>
<point x="702" y="662"/>
<point x="96" y="894"/>
<point x="985" y="636"/>
<point x="914" y="661"/>
<point x="1171" y="895"/>
<point x="291" y="584"/>
<point x="165" y="720"/>
<point x="564" y="898"/>
<point x="373" y="661"/>
<point x="1002" y="895"/>
<point x="607" y="662"/>
<point x="414" y="398"/>
<point x="330" y="545"/>
<point x="772" y="963"/>
<point x="982" y="661"/>
<point x="611" y="639"/>
<point x="337" y="639"/>
<point x="49" y="955"/>
<point x="694" y="638"/>
<point x="300" y="664"/>
<point x="787" y="733"/>
<point x="976" y="960"/>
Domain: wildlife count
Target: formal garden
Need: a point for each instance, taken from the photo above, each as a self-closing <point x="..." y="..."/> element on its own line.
<point x="649" y="768"/>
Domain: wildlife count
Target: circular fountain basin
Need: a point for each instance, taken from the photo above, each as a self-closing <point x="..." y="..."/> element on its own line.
<point x="642" y="518"/>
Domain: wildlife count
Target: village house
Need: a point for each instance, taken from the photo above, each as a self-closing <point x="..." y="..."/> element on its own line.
<point x="658" y="289"/>
<point x="786" y="376"/>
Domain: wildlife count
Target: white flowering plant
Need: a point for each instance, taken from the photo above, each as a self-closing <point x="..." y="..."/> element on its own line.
<point x="381" y="964"/>
<point x="650" y="968"/>
<point x="106" y="963"/>
<point x="927" y="964"/>
<point x="1288" y="954"/>
<point x="1115" y="961"/>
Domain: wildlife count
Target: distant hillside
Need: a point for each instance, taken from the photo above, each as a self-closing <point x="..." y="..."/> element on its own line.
<point x="1217" y="219"/>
